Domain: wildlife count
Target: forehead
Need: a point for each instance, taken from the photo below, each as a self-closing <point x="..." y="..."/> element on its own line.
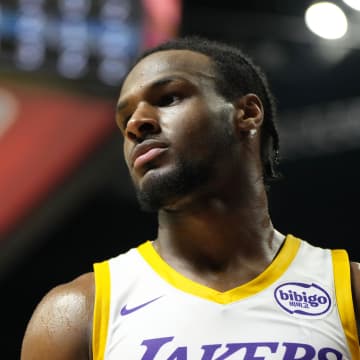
<point x="185" y="63"/>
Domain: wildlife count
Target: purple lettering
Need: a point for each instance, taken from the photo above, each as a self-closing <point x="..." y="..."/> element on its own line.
<point x="323" y="354"/>
<point x="209" y="350"/>
<point x="179" y="354"/>
<point x="292" y="349"/>
<point x="153" y="346"/>
<point x="283" y="295"/>
<point x="312" y="301"/>
<point x="252" y="347"/>
<point x="251" y="351"/>
<point x="231" y="349"/>
<point x="297" y="296"/>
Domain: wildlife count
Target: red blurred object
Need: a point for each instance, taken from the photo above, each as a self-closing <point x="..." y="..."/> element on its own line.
<point x="44" y="136"/>
<point x="162" y="20"/>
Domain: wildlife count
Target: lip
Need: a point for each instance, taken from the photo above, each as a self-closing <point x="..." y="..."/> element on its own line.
<point x="145" y="152"/>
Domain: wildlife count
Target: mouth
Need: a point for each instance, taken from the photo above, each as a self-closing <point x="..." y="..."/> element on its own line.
<point x="145" y="152"/>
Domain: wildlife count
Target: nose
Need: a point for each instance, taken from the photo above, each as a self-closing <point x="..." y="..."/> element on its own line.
<point x="143" y="121"/>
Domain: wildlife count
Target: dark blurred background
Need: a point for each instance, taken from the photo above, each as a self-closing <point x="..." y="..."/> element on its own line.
<point x="65" y="197"/>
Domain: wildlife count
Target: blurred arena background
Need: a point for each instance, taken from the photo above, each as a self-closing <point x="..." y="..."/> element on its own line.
<point x="65" y="197"/>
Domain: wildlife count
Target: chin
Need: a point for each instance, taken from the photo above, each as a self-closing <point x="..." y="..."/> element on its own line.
<point x="165" y="188"/>
<point x="158" y="189"/>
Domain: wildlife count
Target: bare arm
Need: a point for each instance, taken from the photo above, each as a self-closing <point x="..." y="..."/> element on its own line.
<point x="60" y="327"/>
<point x="355" y="283"/>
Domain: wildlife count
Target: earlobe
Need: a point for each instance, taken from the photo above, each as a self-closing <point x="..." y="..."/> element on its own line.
<point x="249" y="114"/>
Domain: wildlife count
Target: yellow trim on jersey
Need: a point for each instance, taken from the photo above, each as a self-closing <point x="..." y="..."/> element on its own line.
<point x="344" y="300"/>
<point x="101" y="309"/>
<point x="271" y="274"/>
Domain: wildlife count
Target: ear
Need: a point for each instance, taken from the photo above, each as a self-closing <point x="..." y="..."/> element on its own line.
<point x="249" y="114"/>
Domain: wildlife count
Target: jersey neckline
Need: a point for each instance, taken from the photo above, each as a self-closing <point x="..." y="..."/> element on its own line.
<point x="281" y="262"/>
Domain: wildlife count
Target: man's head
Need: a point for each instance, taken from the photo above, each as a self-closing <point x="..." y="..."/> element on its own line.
<point x="236" y="75"/>
<point x="176" y="109"/>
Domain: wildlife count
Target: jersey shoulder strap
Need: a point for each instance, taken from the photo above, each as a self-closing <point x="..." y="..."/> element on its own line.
<point x="101" y="313"/>
<point x="342" y="280"/>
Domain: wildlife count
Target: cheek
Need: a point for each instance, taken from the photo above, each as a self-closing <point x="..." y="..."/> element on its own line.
<point x="188" y="123"/>
<point x="126" y="151"/>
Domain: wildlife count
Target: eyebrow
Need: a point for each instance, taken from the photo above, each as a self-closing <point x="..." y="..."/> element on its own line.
<point x="156" y="84"/>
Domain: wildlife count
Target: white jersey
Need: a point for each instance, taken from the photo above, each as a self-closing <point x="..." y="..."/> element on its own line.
<point x="299" y="308"/>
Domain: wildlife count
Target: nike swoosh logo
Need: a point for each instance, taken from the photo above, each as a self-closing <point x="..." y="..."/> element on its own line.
<point x="126" y="311"/>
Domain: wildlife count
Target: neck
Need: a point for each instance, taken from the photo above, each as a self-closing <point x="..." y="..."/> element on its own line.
<point x="219" y="231"/>
<point x="221" y="234"/>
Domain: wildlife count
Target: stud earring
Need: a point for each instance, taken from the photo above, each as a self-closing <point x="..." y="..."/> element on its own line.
<point x="252" y="132"/>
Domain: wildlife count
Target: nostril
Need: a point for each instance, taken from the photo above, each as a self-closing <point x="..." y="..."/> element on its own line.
<point x="131" y="136"/>
<point x="146" y="127"/>
<point x="139" y="133"/>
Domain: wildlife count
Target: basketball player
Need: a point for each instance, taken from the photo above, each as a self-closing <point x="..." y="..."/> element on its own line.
<point x="219" y="281"/>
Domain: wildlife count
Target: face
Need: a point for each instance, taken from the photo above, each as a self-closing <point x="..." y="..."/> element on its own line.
<point x="177" y="129"/>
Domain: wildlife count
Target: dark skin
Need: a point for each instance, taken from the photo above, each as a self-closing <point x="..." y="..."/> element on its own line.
<point x="218" y="233"/>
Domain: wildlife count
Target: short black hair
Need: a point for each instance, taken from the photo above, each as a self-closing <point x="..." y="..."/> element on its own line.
<point x="236" y="75"/>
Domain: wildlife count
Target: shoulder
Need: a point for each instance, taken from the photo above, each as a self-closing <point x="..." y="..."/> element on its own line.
<point x="61" y="322"/>
<point x="355" y="283"/>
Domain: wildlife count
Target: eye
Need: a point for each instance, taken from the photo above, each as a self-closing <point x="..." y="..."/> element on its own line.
<point x="169" y="99"/>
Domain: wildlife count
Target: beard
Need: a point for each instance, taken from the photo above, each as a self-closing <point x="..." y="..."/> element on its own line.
<point x="161" y="190"/>
<point x="188" y="174"/>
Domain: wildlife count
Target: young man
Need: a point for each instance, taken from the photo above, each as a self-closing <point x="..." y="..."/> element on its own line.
<point x="218" y="282"/>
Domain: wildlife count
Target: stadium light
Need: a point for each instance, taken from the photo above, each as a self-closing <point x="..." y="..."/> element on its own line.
<point x="354" y="4"/>
<point x="326" y="20"/>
